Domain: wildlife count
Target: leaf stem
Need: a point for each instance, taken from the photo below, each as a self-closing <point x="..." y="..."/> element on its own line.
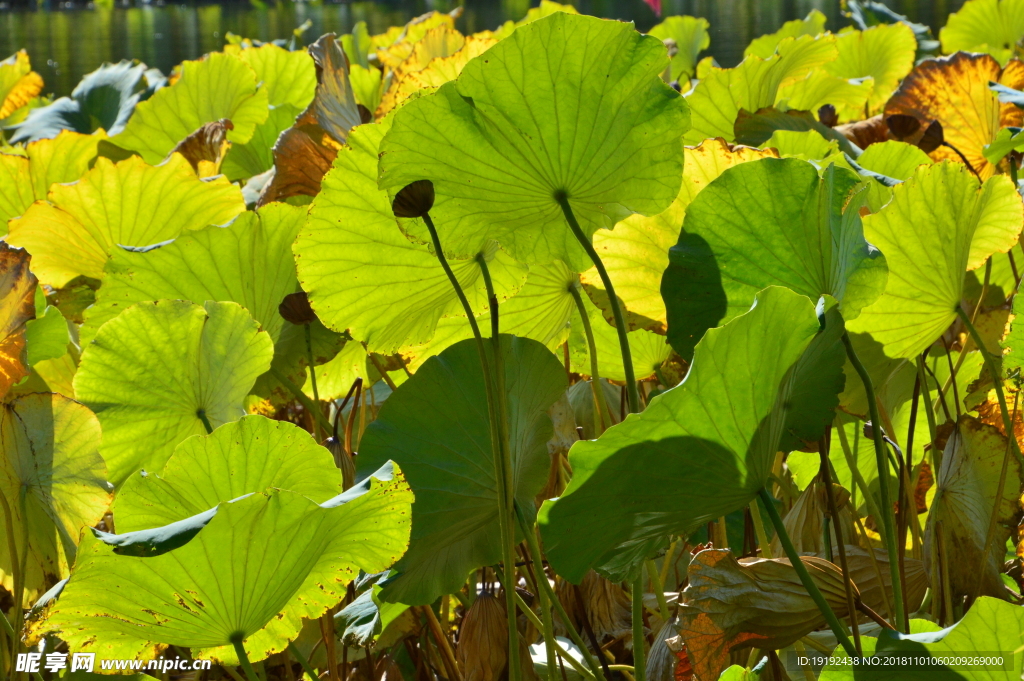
<point x="997" y="379"/>
<point x="310" y="672"/>
<point x="243" y="659"/>
<point x="659" y="590"/>
<point x="573" y="662"/>
<point x="882" y="461"/>
<point x="620" y="321"/>
<point x="639" y="638"/>
<point x="201" y="413"/>
<point x="312" y="378"/>
<point x="805" y="577"/>
<point x="604" y="420"/>
<point x="833" y="511"/>
<point x="447" y="657"/>
<point x="542" y="596"/>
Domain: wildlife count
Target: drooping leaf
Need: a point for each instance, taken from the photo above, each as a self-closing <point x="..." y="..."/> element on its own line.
<point x="954" y="91"/>
<point x="123" y="204"/>
<point x="884" y="52"/>
<point x="765" y="46"/>
<point x="363" y="275"/>
<point x="103" y="99"/>
<point x="691" y="38"/>
<point x="248" y="262"/>
<point x="302" y="155"/>
<point x="721" y="94"/>
<point x="635" y="253"/>
<point x="26" y="179"/>
<point x="710" y="439"/>
<point x="51" y="459"/>
<point x="992" y="26"/>
<point x="805" y="237"/>
<point x="219" y="86"/>
<point x="248" y="455"/>
<point x="612" y="152"/>
<point x="436" y="427"/>
<point x="939" y="224"/>
<point x="334" y="106"/>
<point x="17" y="306"/>
<point x="251" y="571"/>
<point x="157" y="369"/>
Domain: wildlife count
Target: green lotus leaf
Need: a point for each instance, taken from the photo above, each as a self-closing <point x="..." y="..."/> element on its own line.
<point x="364" y="620"/>
<point x="257" y="155"/>
<point x="157" y="369"/>
<point x="805" y="237"/>
<point x="691" y="37"/>
<point x="103" y="99"/>
<point x="53" y="480"/>
<point x="435" y="427"/>
<point x="894" y="159"/>
<point x="990" y="624"/>
<point x="1013" y="344"/>
<point x="765" y="46"/>
<point x="649" y="350"/>
<point x="711" y="441"/>
<point x="808" y="145"/>
<point x="288" y="77"/>
<point x="26" y="179"/>
<point x="993" y="26"/>
<point x="46" y="336"/>
<point x="123" y="204"/>
<point x="249" y="262"/>
<point x="251" y="571"/>
<point x="334" y="378"/>
<point x="821" y="88"/>
<point x="357" y="45"/>
<point x="1007" y="140"/>
<point x="292" y="358"/>
<point x="363" y="275"/>
<point x="885" y="53"/>
<point x="248" y="455"/>
<point x="939" y="224"/>
<point x="719" y="97"/>
<point x="218" y="86"/>
<point x="605" y="133"/>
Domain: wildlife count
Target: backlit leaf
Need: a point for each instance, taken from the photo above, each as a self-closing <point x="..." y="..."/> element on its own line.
<point x="17" y="306"/>
<point x="993" y="26"/>
<point x="691" y="37"/>
<point x="19" y="84"/>
<point x="884" y="52"/>
<point x="813" y="25"/>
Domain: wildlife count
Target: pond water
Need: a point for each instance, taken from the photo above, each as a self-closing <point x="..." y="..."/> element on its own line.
<point x="66" y="40"/>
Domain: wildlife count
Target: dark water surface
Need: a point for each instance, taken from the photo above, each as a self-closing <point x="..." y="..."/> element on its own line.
<point x="66" y="40"/>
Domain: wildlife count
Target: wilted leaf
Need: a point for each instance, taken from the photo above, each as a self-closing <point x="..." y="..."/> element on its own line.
<point x="17" y="306"/>
<point x="19" y="84"/>
<point x="300" y="161"/>
<point x="206" y="147"/>
<point x="334" y="106"/>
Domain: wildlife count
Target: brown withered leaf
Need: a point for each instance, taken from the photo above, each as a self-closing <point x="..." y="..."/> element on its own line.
<point x="300" y="163"/>
<point x="334" y="106"/>
<point x="206" y="148"/>
<point x="607" y="606"/>
<point x="482" y="650"/>
<point x="954" y="91"/>
<point x="967" y="493"/>
<point x="17" y="306"/>
<point x="864" y="574"/>
<point x="730" y="605"/>
<point x="867" y="132"/>
<point x="805" y="521"/>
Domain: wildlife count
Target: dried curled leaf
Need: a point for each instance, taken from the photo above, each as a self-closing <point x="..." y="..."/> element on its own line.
<point x="206" y="148"/>
<point x="19" y="84"/>
<point x="730" y="605"/>
<point x="605" y="603"/>
<point x="482" y="650"/>
<point x="17" y="293"/>
<point x="805" y="520"/>
<point x="954" y="91"/>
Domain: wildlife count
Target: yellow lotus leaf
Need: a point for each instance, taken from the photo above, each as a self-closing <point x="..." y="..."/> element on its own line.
<point x="125" y="204"/>
<point x="954" y="91"/>
<point x="19" y="84"/>
<point x="436" y="73"/>
<point x="884" y="52"/>
<point x="391" y="54"/>
<point x="17" y="306"/>
<point x="636" y="251"/>
<point x="993" y="26"/>
<point x="734" y="604"/>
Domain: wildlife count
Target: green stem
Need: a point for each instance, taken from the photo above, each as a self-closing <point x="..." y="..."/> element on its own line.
<point x="929" y="410"/>
<point x="604" y="421"/>
<point x="12" y="548"/>
<point x="659" y="590"/>
<point x="762" y="537"/>
<point x="639" y="638"/>
<point x="805" y="577"/>
<point x="542" y="597"/>
<point x="997" y="379"/>
<point x="312" y="379"/>
<point x="499" y="458"/>
<point x="201" y="413"/>
<point x="881" y="459"/>
<point x="243" y="659"/>
<point x="302" y="661"/>
<point x="300" y="396"/>
<point x="620" y="321"/>
<point x="573" y="662"/>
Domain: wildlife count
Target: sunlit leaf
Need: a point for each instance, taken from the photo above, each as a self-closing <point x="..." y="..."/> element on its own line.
<point x="613" y="152"/>
<point x="53" y="482"/>
<point x="691" y="37"/>
<point x="219" y="86"/>
<point x="939" y="224"/>
<point x="894" y="159"/>
<point x="993" y="26"/>
<point x="436" y="427"/>
<point x="288" y="77"/>
<point x="334" y="106"/>
<point x="363" y="275"/>
<point x="884" y="52"/>
<point x="19" y="84"/>
<point x="17" y="306"/>
<point x="251" y="569"/>
<point x="765" y="46"/>
<point x="46" y="336"/>
<point x="154" y="372"/>
<point x="649" y="350"/>
<point x="127" y="204"/>
<point x="954" y="91"/>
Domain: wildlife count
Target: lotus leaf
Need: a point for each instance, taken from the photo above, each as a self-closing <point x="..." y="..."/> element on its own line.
<point x="19" y="84"/>
<point x="612" y="152"/>
<point x="993" y="26"/>
<point x="691" y="38"/>
<point x="114" y="205"/>
<point x="157" y="370"/>
<point x="940" y="223"/>
<point x="648" y="349"/>
<point x="885" y="53"/>
<point x="436" y="427"/>
<point x="17" y="307"/>
<point x="765" y="46"/>
<point x="289" y="77"/>
<point x="221" y="86"/>
<point x="251" y="569"/>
